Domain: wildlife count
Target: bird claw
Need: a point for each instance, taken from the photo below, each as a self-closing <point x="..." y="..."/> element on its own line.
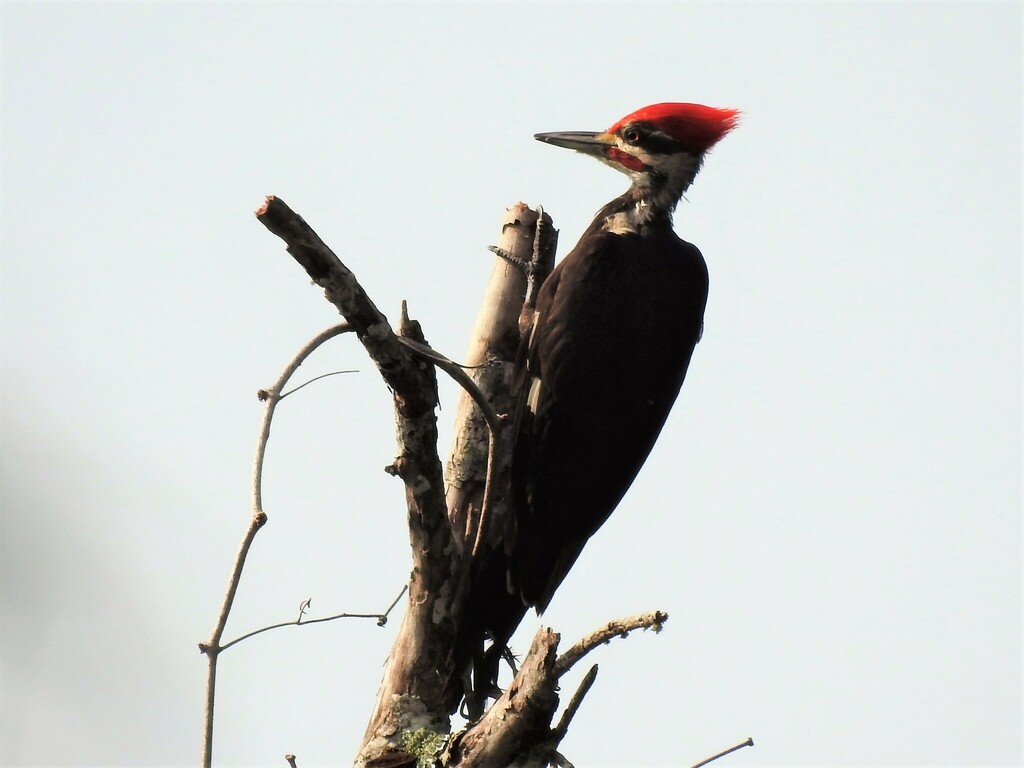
<point x="528" y="268"/>
<point x="535" y="269"/>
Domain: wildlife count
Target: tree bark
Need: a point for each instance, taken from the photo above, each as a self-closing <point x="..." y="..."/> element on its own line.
<point x="491" y="356"/>
<point x="418" y="671"/>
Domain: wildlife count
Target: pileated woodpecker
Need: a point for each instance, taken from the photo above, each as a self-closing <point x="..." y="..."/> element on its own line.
<point x="615" y="325"/>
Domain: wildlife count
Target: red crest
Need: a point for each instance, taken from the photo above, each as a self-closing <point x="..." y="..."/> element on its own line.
<point x="696" y="126"/>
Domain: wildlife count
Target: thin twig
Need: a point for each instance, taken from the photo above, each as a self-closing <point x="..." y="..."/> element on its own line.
<point x="574" y="704"/>
<point x="343" y="290"/>
<point x="212" y="647"/>
<point x="293" y="390"/>
<point x="273" y="396"/>
<point x="485" y="506"/>
<point x="612" y="629"/>
<point x="748" y="743"/>
<point x="458" y="373"/>
<point x="382" y="619"/>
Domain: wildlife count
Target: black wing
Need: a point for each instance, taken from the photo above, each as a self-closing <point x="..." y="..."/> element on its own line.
<point x="615" y="327"/>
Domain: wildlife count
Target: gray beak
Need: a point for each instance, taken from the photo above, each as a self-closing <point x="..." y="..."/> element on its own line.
<point x="587" y="142"/>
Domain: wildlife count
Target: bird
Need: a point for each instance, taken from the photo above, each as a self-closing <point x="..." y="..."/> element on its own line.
<point x="615" y="326"/>
<point x="613" y="331"/>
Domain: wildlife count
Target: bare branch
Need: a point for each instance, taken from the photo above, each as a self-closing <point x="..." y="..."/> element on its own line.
<point x="382" y="619"/>
<point x="343" y="290"/>
<point x="457" y="372"/>
<point x="212" y="647"/>
<point x="574" y="704"/>
<point x="411" y="381"/>
<point x="418" y="668"/>
<point x="273" y="396"/>
<point x="621" y="628"/>
<point x="490" y="481"/>
<point x="748" y="743"/>
<point x="293" y="390"/>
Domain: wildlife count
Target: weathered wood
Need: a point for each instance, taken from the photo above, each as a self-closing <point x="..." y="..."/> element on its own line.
<point x="491" y="353"/>
<point x="418" y="672"/>
<point x="405" y="375"/>
<point x="518" y="723"/>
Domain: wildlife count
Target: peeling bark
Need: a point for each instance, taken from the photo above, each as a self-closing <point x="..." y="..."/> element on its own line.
<point x="491" y="354"/>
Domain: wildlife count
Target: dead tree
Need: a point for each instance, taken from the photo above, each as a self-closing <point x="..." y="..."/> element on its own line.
<point x="454" y="520"/>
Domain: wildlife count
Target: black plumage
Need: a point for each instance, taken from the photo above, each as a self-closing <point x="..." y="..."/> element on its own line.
<point x="614" y="329"/>
<point x="615" y="326"/>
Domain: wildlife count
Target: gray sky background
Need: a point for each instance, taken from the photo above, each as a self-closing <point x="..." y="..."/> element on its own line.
<point x="832" y="518"/>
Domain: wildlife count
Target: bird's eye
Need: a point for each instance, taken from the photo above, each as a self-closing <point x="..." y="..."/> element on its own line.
<point x="632" y="135"/>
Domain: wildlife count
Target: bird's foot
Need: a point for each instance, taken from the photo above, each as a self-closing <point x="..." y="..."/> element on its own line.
<point x="528" y="268"/>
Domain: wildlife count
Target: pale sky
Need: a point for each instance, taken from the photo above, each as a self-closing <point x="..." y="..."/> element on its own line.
<point x="832" y="518"/>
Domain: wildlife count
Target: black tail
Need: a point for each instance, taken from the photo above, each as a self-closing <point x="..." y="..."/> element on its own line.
<point x="490" y="617"/>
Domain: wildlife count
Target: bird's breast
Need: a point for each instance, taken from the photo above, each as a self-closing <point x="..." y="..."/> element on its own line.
<point x="623" y="313"/>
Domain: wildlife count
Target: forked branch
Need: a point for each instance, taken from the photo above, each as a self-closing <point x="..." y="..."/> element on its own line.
<point x="301" y="621"/>
<point x="419" y="673"/>
<point x="212" y="647"/>
<point x="342" y="289"/>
